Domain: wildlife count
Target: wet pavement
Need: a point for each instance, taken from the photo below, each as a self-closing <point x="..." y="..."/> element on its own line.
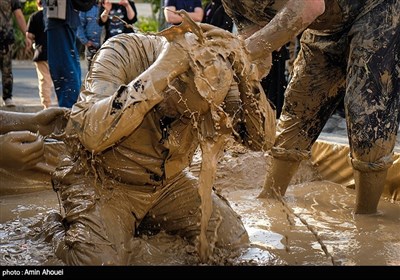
<point x="313" y="224"/>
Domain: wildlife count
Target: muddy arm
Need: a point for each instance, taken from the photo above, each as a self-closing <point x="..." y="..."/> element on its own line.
<point x="294" y="17"/>
<point x="46" y="122"/>
<point x="16" y="121"/>
<point x="123" y="86"/>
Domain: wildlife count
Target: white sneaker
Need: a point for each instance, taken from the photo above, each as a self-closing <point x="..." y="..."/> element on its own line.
<point x="9" y="102"/>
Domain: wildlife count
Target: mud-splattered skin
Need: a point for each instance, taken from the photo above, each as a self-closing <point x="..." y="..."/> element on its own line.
<point x="355" y="45"/>
<point x="133" y="134"/>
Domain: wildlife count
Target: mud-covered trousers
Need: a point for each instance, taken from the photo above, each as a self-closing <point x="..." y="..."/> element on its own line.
<point x="102" y="216"/>
<point x="364" y="58"/>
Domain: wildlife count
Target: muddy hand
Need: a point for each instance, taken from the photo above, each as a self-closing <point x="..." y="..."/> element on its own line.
<point x="187" y="25"/>
<point x="214" y="32"/>
<point x="176" y="56"/>
<point x="51" y="120"/>
<point x="21" y="149"/>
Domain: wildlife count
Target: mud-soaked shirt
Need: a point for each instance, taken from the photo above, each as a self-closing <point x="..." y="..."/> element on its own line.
<point x="118" y="123"/>
<point x="338" y="13"/>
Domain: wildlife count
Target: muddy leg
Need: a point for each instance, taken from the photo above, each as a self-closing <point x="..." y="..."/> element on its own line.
<point x="98" y="226"/>
<point x="178" y="212"/>
<point x="369" y="187"/>
<point x="278" y="177"/>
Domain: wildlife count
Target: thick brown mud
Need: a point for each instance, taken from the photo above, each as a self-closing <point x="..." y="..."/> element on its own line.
<point x="313" y="224"/>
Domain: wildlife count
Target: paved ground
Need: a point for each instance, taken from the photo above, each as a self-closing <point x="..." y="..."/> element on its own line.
<point x="25" y="91"/>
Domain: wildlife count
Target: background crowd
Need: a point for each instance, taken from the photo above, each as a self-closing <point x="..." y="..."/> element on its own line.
<point x="81" y="33"/>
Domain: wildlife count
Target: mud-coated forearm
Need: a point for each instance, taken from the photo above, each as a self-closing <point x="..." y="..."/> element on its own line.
<point x="294" y="17"/>
<point x="103" y="123"/>
<point x="10" y="121"/>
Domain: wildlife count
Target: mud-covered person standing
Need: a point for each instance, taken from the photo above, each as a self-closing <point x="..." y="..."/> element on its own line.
<point x="351" y="44"/>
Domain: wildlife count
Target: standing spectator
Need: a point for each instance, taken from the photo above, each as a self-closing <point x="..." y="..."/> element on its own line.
<point x="62" y="54"/>
<point x="89" y="32"/>
<point x="115" y="17"/>
<point x="36" y="33"/>
<point x="215" y="14"/>
<point x="193" y="7"/>
<point x="8" y="8"/>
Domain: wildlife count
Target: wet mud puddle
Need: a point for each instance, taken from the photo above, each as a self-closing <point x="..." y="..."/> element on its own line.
<point x="313" y="225"/>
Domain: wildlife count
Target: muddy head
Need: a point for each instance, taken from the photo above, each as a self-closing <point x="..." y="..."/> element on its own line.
<point x="220" y="72"/>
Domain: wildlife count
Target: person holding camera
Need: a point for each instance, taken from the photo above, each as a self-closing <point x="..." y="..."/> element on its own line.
<point x="117" y="17"/>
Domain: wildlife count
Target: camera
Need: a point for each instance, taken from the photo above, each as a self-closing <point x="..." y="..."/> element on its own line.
<point x="56" y="9"/>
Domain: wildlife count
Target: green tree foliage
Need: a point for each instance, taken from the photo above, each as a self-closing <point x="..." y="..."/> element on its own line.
<point x="29" y="7"/>
<point x="147" y="24"/>
<point x="19" y="51"/>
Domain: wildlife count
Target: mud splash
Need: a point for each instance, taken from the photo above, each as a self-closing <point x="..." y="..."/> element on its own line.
<point x="278" y="237"/>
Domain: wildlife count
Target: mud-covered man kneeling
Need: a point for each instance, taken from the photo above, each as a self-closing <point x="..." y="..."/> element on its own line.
<point x="144" y="109"/>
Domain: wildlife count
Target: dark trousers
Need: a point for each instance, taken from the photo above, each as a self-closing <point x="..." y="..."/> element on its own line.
<point x="64" y="64"/>
<point x="6" y="71"/>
